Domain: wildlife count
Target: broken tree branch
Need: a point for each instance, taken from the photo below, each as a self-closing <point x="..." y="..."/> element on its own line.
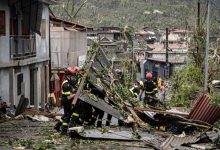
<point x="196" y="125"/>
<point x="160" y="111"/>
<point x="79" y="8"/>
<point x="135" y="116"/>
<point x="83" y="79"/>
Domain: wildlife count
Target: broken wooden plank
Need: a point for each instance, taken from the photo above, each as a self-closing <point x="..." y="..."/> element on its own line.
<point x="135" y="116"/>
<point x="81" y="86"/>
<point x="22" y="105"/>
<point x="203" y="146"/>
<point x="160" y="111"/>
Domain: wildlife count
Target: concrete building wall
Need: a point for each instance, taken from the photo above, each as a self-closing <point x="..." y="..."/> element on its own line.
<point x="4" y="39"/>
<point x="173" y="57"/>
<point x="4" y="85"/>
<point x="8" y="91"/>
<point x="67" y="47"/>
<point x="42" y="44"/>
<point x="10" y="69"/>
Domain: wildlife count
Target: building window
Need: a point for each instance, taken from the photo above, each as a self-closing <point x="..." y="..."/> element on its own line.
<point x="19" y="83"/>
<point x="43" y="28"/>
<point x="2" y="22"/>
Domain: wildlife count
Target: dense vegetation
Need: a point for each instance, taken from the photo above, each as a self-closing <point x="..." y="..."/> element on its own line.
<point x="138" y="13"/>
<point x="157" y="14"/>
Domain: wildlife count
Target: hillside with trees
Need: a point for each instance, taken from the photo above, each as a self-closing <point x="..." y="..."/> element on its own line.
<point x="138" y="13"/>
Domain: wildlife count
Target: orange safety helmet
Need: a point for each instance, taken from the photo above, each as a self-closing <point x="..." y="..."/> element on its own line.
<point x="149" y="75"/>
<point x="70" y="71"/>
<point x="77" y="69"/>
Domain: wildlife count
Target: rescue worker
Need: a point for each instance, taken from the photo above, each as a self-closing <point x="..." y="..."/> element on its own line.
<point x="82" y="111"/>
<point x="149" y="87"/>
<point x="68" y="93"/>
<point x="97" y="114"/>
<point x="81" y="114"/>
<point x="135" y="90"/>
<point x="162" y="91"/>
<point x="159" y="81"/>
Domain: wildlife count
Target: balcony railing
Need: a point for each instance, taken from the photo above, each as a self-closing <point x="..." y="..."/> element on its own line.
<point x="22" y="46"/>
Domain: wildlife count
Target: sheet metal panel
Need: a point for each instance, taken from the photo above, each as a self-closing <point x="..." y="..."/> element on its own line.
<point x="174" y="141"/>
<point x="99" y="67"/>
<point x="119" y="134"/>
<point x="102" y="105"/>
<point x="205" y="111"/>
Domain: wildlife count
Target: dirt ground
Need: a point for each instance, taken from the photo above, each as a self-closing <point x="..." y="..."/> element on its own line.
<point x="26" y="134"/>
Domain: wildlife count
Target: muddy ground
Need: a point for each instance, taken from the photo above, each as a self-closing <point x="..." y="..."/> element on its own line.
<point x="26" y="134"/>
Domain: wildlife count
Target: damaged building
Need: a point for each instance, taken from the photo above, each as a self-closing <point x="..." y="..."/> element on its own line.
<point x="24" y="51"/>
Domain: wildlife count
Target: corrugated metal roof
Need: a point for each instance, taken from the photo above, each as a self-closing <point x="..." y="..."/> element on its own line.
<point x="174" y="141"/>
<point x="205" y="111"/>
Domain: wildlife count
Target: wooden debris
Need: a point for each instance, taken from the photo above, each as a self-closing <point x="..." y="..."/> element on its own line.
<point x="22" y="105"/>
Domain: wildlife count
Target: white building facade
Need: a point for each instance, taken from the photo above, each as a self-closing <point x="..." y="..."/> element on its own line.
<point x="24" y="51"/>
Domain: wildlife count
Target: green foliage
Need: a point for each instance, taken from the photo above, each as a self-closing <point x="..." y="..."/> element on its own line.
<point x="132" y="13"/>
<point x="95" y="47"/>
<point x="127" y="33"/>
<point x="93" y="97"/>
<point x="215" y="98"/>
<point x="126" y="78"/>
<point x="27" y="143"/>
<point x="197" y="47"/>
<point x="42" y="145"/>
<point x="183" y="83"/>
<point x="95" y="44"/>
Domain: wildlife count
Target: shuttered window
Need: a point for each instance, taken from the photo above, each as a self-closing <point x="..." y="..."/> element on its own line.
<point x="19" y="83"/>
<point x="2" y="22"/>
<point x="43" y="29"/>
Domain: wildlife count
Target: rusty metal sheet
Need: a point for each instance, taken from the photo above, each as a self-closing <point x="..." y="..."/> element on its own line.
<point x="205" y="111"/>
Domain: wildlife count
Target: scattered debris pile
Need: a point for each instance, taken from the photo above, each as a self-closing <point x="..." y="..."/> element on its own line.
<point x="122" y="106"/>
<point x="183" y="130"/>
<point x="183" y="141"/>
<point x="3" y="109"/>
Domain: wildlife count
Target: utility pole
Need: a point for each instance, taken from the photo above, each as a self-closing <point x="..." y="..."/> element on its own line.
<point x="167" y="46"/>
<point x="198" y="25"/>
<point x="207" y="48"/>
<point x="50" y="74"/>
<point x="198" y="15"/>
<point x="167" y="57"/>
<point x="132" y="69"/>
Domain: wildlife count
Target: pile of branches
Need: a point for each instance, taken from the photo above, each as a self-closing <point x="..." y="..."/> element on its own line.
<point x="98" y="70"/>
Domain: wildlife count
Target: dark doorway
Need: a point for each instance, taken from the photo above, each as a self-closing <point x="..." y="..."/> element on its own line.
<point x="33" y="86"/>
